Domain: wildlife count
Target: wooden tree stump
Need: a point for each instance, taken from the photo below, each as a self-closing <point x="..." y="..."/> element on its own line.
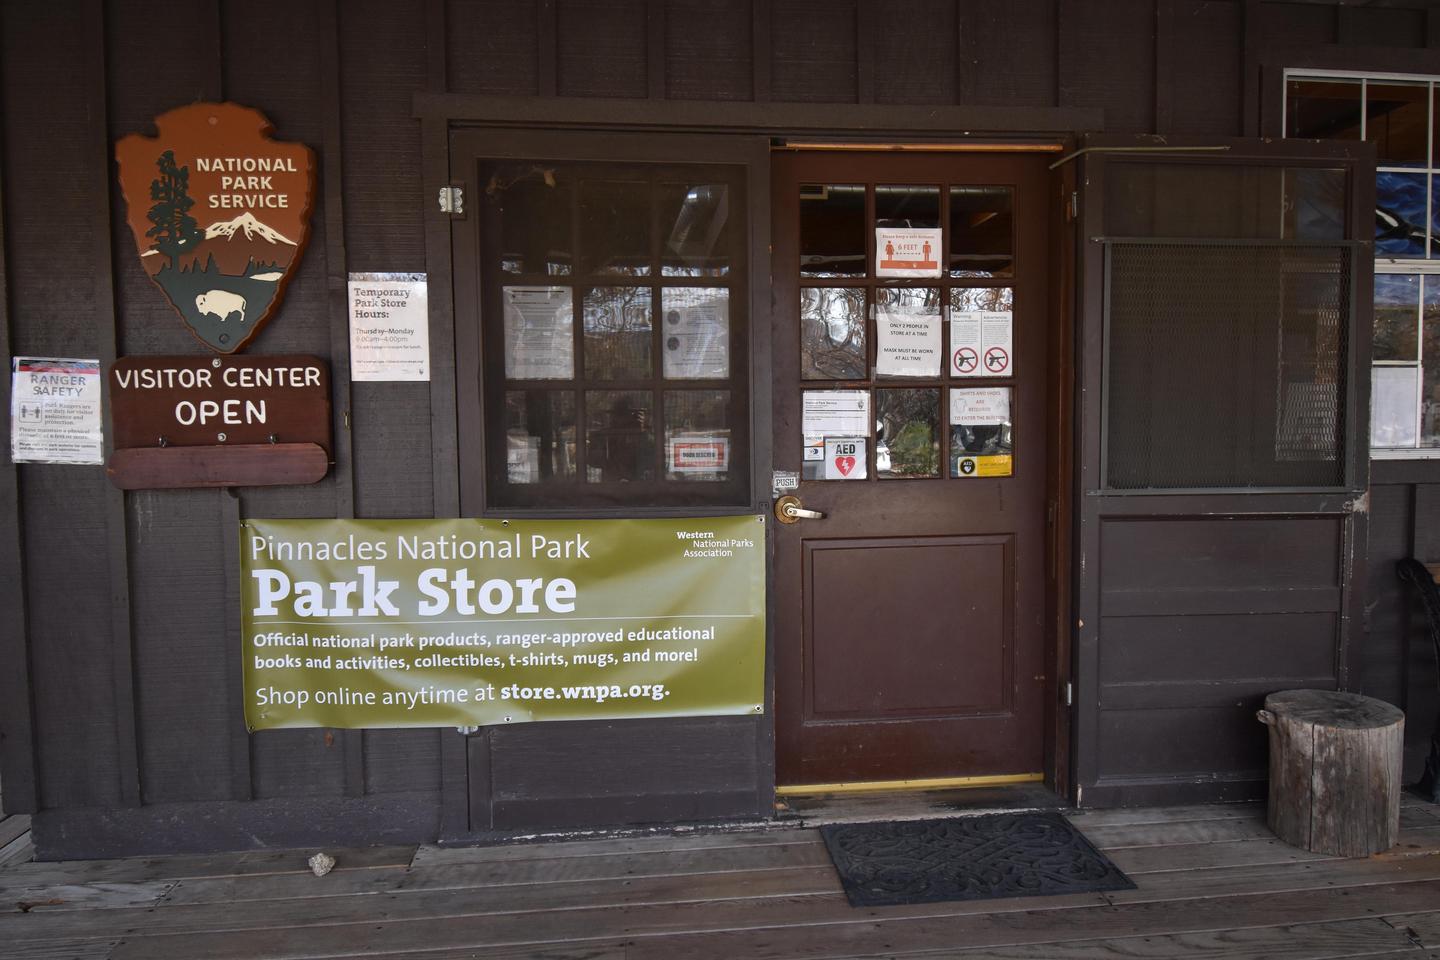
<point x="1334" y="771"/>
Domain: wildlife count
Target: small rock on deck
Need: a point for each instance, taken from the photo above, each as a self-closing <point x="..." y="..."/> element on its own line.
<point x="1211" y="882"/>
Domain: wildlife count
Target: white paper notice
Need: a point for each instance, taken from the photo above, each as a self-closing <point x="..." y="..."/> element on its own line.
<point x="907" y="341"/>
<point x="389" y="327"/>
<point x="982" y="343"/>
<point x="845" y="458"/>
<point x="907" y="252"/>
<point x="834" y="413"/>
<point x="979" y="406"/>
<point x="55" y="411"/>
<point x="697" y="333"/>
<point x="1392" y="406"/>
<point x="539" y="333"/>
<point x="522" y="458"/>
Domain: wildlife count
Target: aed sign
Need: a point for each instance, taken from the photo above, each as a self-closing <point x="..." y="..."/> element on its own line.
<point x="998" y="465"/>
<point x="204" y="401"/>
<point x="220" y="213"/>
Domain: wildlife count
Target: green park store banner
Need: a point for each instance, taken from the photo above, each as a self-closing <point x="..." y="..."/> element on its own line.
<point x="428" y="623"/>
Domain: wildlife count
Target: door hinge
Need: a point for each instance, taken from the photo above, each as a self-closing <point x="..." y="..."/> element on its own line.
<point x="1069" y="693"/>
<point x="452" y="200"/>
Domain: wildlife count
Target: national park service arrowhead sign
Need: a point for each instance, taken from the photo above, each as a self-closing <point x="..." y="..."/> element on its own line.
<point x="221" y="214"/>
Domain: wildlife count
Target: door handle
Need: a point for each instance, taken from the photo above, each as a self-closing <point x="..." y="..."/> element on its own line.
<point x="788" y="509"/>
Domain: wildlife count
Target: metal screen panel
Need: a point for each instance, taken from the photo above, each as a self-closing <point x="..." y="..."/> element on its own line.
<point x="1226" y="364"/>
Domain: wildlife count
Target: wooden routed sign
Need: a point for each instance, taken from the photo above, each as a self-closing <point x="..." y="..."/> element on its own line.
<point x="219" y="421"/>
<point x="220" y="214"/>
<point x="199" y="401"/>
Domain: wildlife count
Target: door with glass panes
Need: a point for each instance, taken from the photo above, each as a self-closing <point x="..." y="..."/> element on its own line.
<point x="909" y="357"/>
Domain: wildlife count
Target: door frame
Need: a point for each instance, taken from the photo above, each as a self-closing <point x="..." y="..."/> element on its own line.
<point x="468" y="145"/>
<point x="1094" y="504"/>
<point x="1059" y="300"/>
<point x="741" y="129"/>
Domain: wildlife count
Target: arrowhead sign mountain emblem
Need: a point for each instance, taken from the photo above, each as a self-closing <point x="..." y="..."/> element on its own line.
<point x="220" y="213"/>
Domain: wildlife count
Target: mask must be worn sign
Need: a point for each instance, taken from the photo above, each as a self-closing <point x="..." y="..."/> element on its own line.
<point x="426" y="623"/>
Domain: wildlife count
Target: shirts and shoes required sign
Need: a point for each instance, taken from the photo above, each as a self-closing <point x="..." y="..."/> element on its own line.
<point x="425" y="623"/>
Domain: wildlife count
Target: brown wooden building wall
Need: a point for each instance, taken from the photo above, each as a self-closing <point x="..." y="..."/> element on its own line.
<point x="122" y="609"/>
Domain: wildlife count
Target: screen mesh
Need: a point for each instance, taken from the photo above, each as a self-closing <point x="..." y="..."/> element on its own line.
<point x="1226" y="364"/>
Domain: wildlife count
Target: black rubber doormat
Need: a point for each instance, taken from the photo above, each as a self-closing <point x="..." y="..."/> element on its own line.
<point x="967" y="858"/>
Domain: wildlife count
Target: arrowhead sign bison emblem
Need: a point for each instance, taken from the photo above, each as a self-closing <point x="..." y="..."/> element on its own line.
<point x="220" y="213"/>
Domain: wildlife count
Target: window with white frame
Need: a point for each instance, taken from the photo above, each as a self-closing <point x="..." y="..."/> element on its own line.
<point x="1398" y="114"/>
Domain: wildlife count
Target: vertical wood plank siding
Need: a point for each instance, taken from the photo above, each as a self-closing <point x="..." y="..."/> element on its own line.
<point x="122" y="647"/>
<point x="49" y="220"/>
<point x="911" y="65"/>
<point x="286" y="77"/>
<point x="121" y="608"/>
<point x="396" y="461"/>
<point x="463" y="777"/>
<point x="707" y="50"/>
<point x="814" y="51"/>
<point x="332" y="182"/>
<point x="175" y="556"/>
<point x="17" y="764"/>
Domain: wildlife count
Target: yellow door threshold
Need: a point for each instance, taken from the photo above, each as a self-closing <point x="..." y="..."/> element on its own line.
<point x="939" y="783"/>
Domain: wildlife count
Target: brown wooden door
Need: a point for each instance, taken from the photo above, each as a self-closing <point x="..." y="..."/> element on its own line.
<point x="910" y="619"/>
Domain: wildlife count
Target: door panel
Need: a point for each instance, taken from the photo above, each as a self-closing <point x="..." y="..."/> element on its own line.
<point x="910" y="620"/>
<point x="866" y="589"/>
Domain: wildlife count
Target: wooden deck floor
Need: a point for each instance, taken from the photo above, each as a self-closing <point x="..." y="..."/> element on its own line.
<point x="1212" y="883"/>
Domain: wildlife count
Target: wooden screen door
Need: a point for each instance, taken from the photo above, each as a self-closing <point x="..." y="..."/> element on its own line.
<point x="910" y="618"/>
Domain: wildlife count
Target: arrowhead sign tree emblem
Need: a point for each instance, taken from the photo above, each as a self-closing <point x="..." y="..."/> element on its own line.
<point x="220" y="213"/>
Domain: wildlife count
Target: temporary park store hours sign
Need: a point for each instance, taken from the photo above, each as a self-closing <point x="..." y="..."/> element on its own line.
<point x="220" y="213"/>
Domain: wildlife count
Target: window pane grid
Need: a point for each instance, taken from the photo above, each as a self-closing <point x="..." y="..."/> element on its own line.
<point x="1405" y="366"/>
<point x="833" y="362"/>
<point x="606" y="423"/>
